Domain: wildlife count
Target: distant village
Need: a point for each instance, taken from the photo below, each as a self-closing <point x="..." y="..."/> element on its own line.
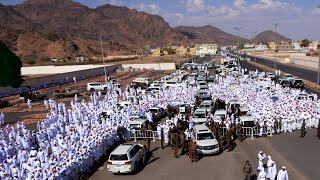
<point x="212" y="49"/>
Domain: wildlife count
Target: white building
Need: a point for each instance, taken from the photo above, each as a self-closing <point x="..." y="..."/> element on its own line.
<point x="313" y="45"/>
<point x="206" y="49"/>
<point x="249" y="46"/>
<point x="296" y="45"/>
<point x="261" y="47"/>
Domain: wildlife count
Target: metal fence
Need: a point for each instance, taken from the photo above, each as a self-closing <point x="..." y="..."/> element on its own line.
<point x="139" y="134"/>
<point x="252" y="132"/>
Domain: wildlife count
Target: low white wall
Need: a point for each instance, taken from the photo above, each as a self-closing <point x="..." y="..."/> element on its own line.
<point x="34" y="70"/>
<point x="308" y="61"/>
<point x="155" y="66"/>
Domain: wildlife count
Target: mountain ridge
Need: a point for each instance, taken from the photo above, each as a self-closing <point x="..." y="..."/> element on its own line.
<point x="43" y="29"/>
<point x="269" y="36"/>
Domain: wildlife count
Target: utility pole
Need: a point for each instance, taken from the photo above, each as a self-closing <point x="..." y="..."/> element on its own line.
<point x="253" y="35"/>
<point x="104" y="65"/>
<point x="319" y="60"/>
<point x="238" y="61"/>
<point x="275" y="46"/>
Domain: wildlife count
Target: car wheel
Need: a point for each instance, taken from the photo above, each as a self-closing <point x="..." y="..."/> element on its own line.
<point x="60" y="96"/>
<point x="105" y="89"/>
<point x="135" y="168"/>
<point x="92" y="90"/>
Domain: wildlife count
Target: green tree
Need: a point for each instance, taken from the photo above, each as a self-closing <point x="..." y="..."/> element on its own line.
<point x="305" y="43"/>
<point x="241" y="46"/>
<point x="10" y="67"/>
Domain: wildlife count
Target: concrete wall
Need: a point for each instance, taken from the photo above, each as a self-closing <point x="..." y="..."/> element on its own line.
<point x="56" y="69"/>
<point x="54" y="80"/>
<point x="155" y="66"/>
<point x="308" y="61"/>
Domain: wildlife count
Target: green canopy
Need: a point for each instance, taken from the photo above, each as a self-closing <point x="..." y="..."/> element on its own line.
<point x="10" y="67"/>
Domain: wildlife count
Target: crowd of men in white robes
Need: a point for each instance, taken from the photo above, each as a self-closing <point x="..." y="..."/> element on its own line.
<point x="68" y="141"/>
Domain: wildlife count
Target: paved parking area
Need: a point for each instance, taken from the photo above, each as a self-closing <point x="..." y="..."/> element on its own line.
<point x="287" y="149"/>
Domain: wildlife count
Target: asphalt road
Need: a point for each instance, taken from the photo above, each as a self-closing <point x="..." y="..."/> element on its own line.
<point x="296" y="71"/>
<point x="286" y="149"/>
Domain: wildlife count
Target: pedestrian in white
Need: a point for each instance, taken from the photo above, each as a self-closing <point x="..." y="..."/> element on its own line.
<point x="46" y="103"/>
<point x="262" y="174"/>
<point x="29" y="103"/>
<point x="261" y="157"/>
<point x="272" y="168"/>
<point x="283" y="174"/>
<point x="74" y="79"/>
<point x="1" y="118"/>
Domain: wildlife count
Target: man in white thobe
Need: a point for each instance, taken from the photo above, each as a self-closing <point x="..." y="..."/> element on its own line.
<point x="283" y="174"/>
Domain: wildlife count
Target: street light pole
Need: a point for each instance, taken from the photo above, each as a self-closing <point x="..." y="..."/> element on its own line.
<point x="104" y="65"/>
<point x="275" y="46"/>
<point x="319" y="61"/>
<point x="238" y="61"/>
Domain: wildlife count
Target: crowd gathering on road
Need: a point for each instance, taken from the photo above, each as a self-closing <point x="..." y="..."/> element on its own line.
<point x="69" y="141"/>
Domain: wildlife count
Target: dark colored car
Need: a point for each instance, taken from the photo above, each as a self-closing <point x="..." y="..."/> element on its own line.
<point x="285" y="83"/>
<point x="4" y="104"/>
<point x="297" y="83"/>
<point x="65" y="92"/>
<point x="211" y="79"/>
<point x="33" y="96"/>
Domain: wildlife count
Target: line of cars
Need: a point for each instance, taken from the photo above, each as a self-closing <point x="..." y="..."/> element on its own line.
<point x="289" y="81"/>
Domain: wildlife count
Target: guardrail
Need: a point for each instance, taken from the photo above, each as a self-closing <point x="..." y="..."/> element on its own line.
<point x="143" y="134"/>
<point x="252" y="132"/>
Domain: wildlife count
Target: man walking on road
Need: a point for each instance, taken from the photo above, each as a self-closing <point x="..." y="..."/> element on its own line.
<point x="193" y="151"/>
<point x="229" y="140"/>
<point x="283" y="174"/>
<point x="303" y="129"/>
<point x="247" y="170"/>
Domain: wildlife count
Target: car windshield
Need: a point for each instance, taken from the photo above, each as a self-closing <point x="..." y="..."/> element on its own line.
<point x="298" y="81"/>
<point x="118" y="157"/>
<point x="153" y="110"/>
<point x="200" y="115"/>
<point x="204" y="136"/>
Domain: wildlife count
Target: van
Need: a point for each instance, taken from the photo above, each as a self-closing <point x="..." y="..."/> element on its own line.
<point x="222" y="113"/>
<point x="207" y="105"/>
<point x="205" y="139"/>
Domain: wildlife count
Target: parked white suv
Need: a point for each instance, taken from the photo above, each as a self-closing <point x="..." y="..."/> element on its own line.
<point x="96" y="86"/>
<point x="204" y="138"/>
<point x="126" y="158"/>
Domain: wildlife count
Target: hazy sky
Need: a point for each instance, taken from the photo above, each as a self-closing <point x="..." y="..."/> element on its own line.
<point x="297" y="19"/>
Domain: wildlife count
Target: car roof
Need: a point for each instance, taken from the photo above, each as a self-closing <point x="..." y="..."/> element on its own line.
<point x="94" y="82"/>
<point x="206" y="102"/>
<point x="205" y="96"/>
<point x="201" y="128"/>
<point x="122" y="149"/>
<point x="137" y="121"/>
<point x="246" y="118"/>
<point x="220" y="111"/>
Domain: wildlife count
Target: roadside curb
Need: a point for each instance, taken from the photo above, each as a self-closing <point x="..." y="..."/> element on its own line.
<point x="307" y="83"/>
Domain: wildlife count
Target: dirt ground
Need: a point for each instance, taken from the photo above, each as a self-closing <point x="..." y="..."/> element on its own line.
<point x="19" y="110"/>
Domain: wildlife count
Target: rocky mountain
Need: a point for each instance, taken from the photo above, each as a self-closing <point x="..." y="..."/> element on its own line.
<point x="269" y="36"/>
<point x="208" y="34"/>
<point x="37" y="29"/>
